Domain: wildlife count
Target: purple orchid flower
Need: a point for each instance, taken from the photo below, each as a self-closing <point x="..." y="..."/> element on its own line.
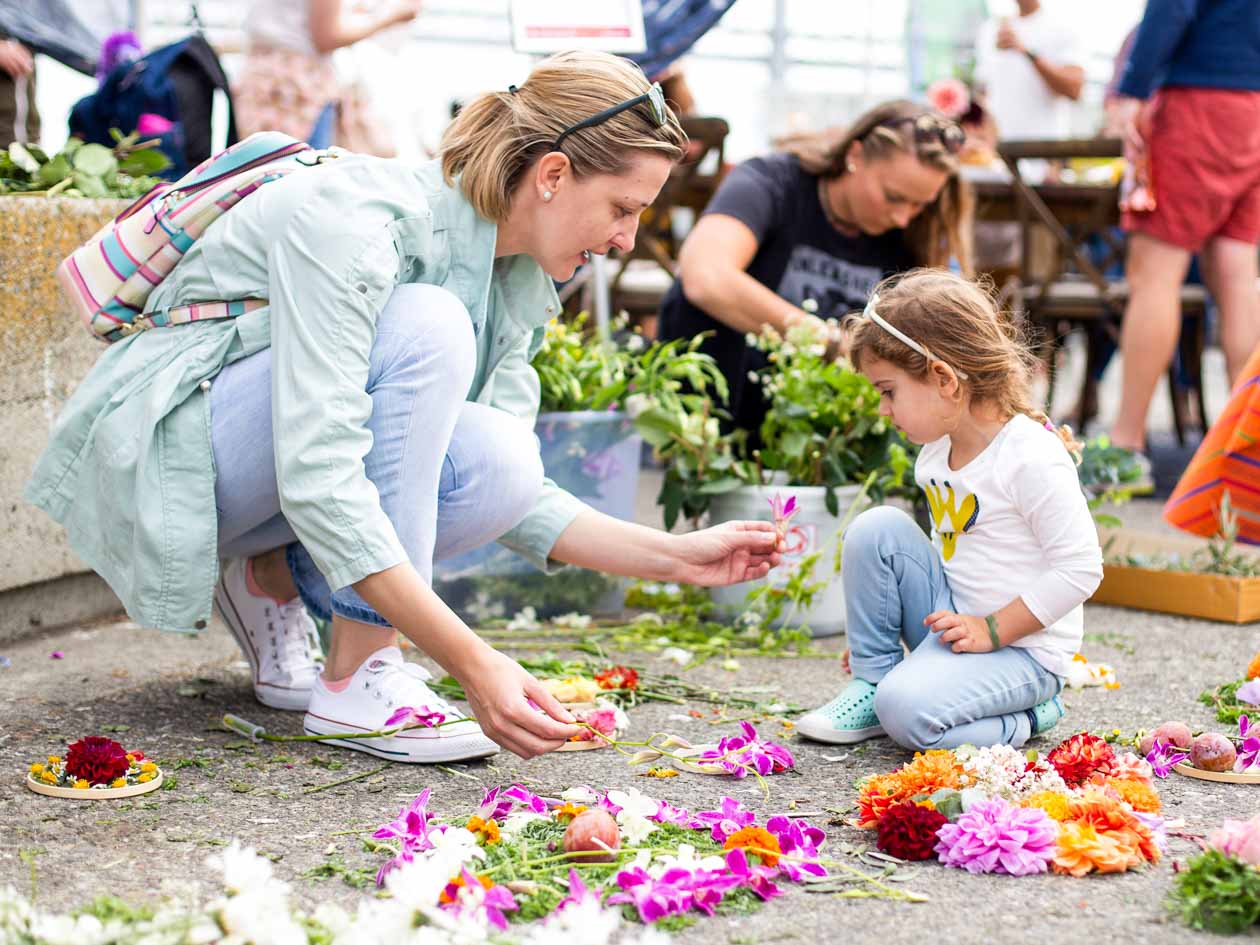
<point x="411" y="717"/>
<point x="797" y="838"/>
<point x="757" y="878"/>
<point x="1249" y="692"/>
<point x="411" y="828"/>
<point x="782" y="512"/>
<point x="579" y="892"/>
<point x="706" y="887"/>
<point x="730" y="817"/>
<point x="606" y="804"/>
<point x="471" y="898"/>
<point x="1249" y="747"/>
<point x="526" y="798"/>
<point x="667" y="813"/>
<point x="654" y="899"/>
<point x="738" y="754"/>
<point x="492" y="807"/>
<point x="1163" y="756"/>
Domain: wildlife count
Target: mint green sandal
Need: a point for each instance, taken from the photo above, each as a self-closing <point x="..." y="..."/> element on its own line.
<point x="1046" y="715"/>
<point x="845" y="720"/>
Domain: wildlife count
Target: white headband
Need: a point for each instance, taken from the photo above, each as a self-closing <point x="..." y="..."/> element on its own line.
<point x="900" y="335"/>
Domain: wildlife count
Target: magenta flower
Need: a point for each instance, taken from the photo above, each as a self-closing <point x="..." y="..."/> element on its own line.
<point x="411" y="829"/>
<point x="667" y="813"/>
<point x="526" y="799"/>
<point x="469" y="897"/>
<point x="498" y="802"/>
<point x="1163" y="756"/>
<point x="411" y="717"/>
<point x="1249" y="747"/>
<point x="757" y="878"/>
<point x="1239" y="839"/>
<point x="730" y="817"/>
<point x="798" y="839"/>
<point x="782" y="511"/>
<point x="654" y="899"/>
<point x="741" y="754"/>
<point x="706" y="887"/>
<point x="994" y="837"/>
<point x="578" y="892"/>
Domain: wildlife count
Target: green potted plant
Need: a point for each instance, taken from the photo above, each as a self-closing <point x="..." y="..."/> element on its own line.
<point x="596" y="395"/>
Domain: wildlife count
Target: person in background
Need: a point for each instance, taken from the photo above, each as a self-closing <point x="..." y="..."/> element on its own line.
<point x="824" y="220"/>
<point x="990" y="606"/>
<point x="19" y="116"/>
<point x="1190" y="107"/>
<point x="1028" y="68"/>
<point x="288" y="82"/>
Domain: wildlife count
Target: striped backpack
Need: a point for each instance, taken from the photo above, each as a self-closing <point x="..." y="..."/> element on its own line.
<point x="109" y="278"/>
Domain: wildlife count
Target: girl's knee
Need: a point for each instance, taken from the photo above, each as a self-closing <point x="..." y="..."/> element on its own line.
<point x="900" y="708"/>
<point x="877" y="530"/>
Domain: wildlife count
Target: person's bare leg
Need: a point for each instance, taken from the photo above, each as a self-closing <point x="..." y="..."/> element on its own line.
<point x="1152" y="321"/>
<point x="272" y="574"/>
<point x="1230" y="270"/>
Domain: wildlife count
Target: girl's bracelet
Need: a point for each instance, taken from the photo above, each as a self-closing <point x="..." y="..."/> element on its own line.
<point x="991" y="622"/>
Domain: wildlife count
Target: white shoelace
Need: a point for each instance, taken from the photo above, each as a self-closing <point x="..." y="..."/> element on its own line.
<point x="398" y="685"/>
<point x="297" y="640"/>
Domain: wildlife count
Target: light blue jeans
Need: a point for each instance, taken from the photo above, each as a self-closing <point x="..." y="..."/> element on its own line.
<point x="452" y="474"/>
<point x="933" y="697"/>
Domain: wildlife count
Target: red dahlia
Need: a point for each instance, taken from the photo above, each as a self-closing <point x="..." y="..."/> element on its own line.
<point x="97" y="760"/>
<point x="618" y="677"/>
<point x="1079" y="757"/>
<point x="908" y="831"/>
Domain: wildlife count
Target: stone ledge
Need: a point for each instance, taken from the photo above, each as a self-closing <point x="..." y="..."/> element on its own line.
<point x="73" y="599"/>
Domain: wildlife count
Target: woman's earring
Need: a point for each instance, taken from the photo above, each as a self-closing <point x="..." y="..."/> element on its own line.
<point x="546" y="195"/>
<point x="850" y="167"/>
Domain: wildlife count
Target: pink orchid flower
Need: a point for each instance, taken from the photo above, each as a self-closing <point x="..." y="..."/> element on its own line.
<point x="411" y="717"/>
<point x="782" y="511"/>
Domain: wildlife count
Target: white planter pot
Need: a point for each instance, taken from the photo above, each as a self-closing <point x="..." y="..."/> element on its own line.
<point x="811" y="529"/>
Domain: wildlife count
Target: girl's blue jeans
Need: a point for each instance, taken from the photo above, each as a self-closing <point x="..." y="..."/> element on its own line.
<point x="451" y="474"/>
<point x="931" y="697"/>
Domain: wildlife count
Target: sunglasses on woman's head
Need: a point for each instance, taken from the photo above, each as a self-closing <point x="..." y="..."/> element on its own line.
<point x="654" y="97"/>
<point x="933" y="129"/>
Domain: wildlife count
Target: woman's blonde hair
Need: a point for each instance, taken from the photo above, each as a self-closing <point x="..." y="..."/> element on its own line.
<point x="498" y="135"/>
<point x="943" y="228"/>
<point x="957" y="321"/>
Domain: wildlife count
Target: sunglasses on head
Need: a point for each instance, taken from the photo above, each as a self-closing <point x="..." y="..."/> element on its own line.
<point x="933" y="129"/>
<point x="654" y="97"/>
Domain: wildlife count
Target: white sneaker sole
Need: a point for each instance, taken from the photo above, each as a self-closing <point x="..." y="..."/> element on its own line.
<point x="272" y="695"/>
<point x="413" y="750"/>
<point x="819" y="729"/>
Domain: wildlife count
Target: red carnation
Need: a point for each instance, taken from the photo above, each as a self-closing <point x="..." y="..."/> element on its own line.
<point x="97" y="760"/>
<point x="1079" y="757"/>
<point x="908" y="831"/>
<point x="618" y="677"/>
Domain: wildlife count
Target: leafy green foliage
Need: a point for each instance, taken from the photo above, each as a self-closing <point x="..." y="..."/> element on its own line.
<point x="83" y="170"/>
<point x="1224" y="700"/>
<point x="1217" y="893"/>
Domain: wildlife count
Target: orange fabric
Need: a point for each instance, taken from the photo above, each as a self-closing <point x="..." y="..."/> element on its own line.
<point x="1227" y="459"/>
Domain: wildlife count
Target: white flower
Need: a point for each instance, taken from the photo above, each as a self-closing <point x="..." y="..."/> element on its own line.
<point x="750" y="339"/>
<point x="515" y="822"/>
<point x="68" y="930"/>
<point x="672" y="588"/>
<point x="754" y="377"/>
<point x="810" y="305"/>
<point x="260" y="918"/>
<point x="632" y="800"/>
<point x="1001" y="771"/>
<point x="649" y="617"/>
<point x="686" y="859"/>
<point x="677" y="654"/>
<point x="525" y="619"/>
<point x="635" y="829"/>
<point x="635" y="344"/>
<point x="580" y="794"/>
<point x="573" y="621"/>
<point x="583" y="923"/>
<point x="242" y="868"/>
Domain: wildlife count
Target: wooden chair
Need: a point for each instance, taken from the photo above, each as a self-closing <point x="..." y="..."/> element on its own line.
<point x="1071" y="292"/>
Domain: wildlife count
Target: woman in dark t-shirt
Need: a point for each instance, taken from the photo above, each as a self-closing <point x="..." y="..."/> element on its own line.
<point x="825" y="220"/>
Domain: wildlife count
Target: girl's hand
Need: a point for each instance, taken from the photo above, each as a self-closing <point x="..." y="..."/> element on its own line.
<point x="967" y="634"/>
<point x="500" y="691"/>
<point x="726" y="554"/>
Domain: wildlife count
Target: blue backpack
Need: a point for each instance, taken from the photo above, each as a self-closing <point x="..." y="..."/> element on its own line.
<point x="177" y="82"/>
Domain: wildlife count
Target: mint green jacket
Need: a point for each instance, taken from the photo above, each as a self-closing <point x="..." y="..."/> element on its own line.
<point x="129" y="469"/>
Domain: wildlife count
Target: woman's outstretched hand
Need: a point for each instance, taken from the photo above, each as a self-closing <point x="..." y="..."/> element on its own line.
<point x="499" y="691"/>
<point x="726" y="553"/>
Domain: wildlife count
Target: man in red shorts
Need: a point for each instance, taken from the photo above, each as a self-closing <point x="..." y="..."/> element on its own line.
<point x="1191" y="104"/>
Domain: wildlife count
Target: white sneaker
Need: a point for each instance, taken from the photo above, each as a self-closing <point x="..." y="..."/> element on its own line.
<point x="384" y="683"/>
<point x="279" y="640"/>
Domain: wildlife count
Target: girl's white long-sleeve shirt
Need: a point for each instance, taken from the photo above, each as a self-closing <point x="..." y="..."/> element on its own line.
<point x="1012" y="523"/>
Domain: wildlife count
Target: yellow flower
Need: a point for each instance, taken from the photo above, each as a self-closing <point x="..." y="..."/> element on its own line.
<point x="757" y="841"/>
<point x="573" y="689"/>
<point x="566" y="812"/>
<point x="82" y="784"/>
<point x="131" y="757"/>
<point x="118" y="782"/>
<point x="487" y="830"/>
<point x="148" y="766"/>
<point x="54" y="760"/>
<point x="660" y="773"/>
<point x="1052" y="802"/>
<point x="48" y="777"/>
<point x="37" y="768"/>
<point x="147" y="776"/>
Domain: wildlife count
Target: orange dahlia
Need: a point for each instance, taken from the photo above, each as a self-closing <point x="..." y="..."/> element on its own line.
<point x="1138" y="795"/>
<point x="1079" y="757"/>
<point x="1114" y="817"/>
<point x="1253" y="668"/>
<point x="930" y="771"/>
<point x="878" y="793"/>
<point x="1053" y="803"/>
<point x="1083" y="848"/>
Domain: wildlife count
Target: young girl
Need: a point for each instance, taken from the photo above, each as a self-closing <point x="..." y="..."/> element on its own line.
<point x="990" y="608"/>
